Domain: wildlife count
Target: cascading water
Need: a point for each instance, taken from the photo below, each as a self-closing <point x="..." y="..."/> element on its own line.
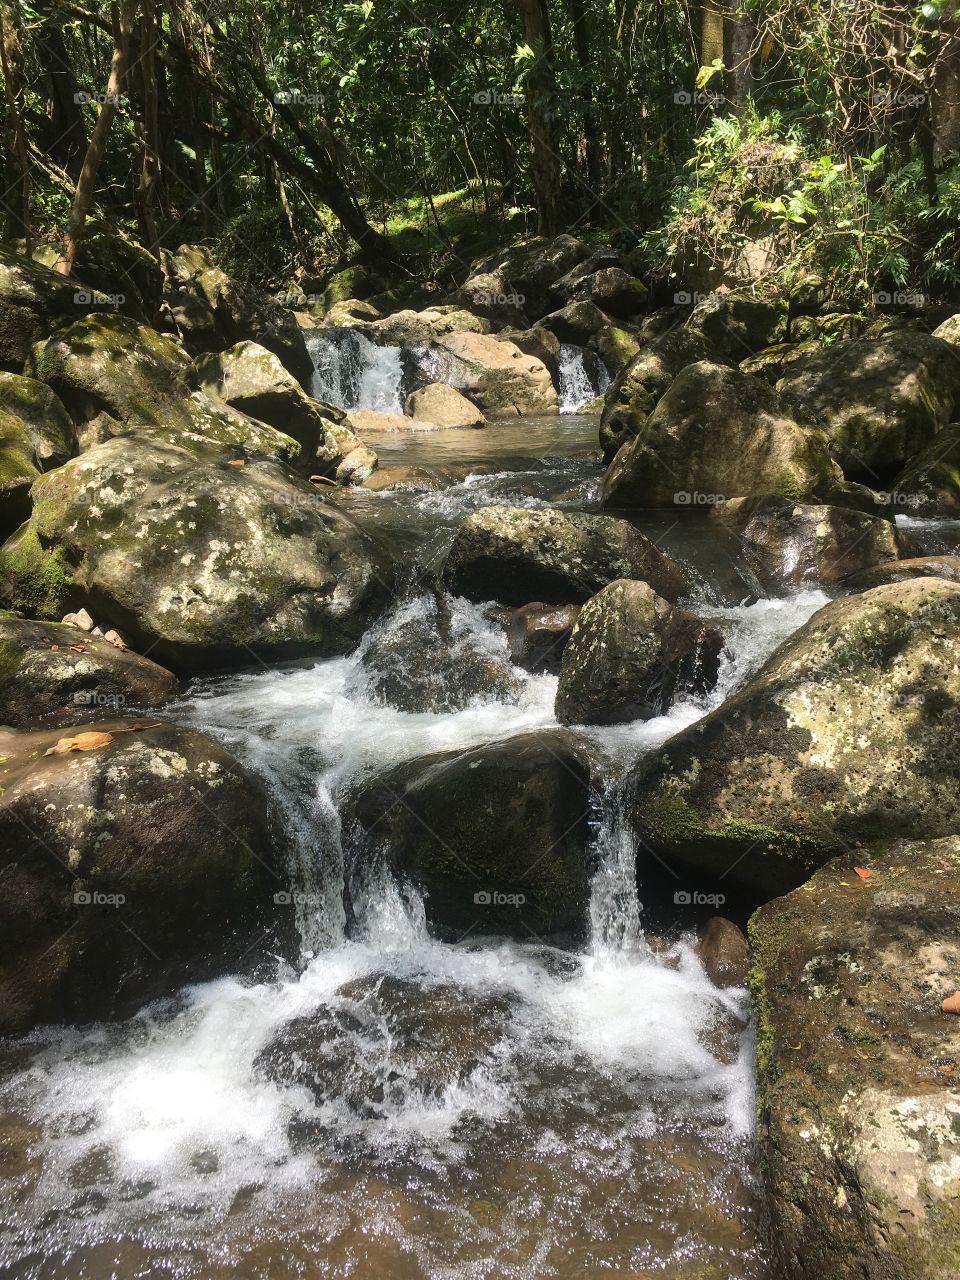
<point x="577" y="386"/>
<point x="398" y="1105"/>
<point x="352" y="372"/>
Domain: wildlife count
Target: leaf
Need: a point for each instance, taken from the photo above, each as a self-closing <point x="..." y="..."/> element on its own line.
<point x="236" y="462"/>
<point x="88" y="741"/>
<point x="77" y="648"/>
<point x="863" y="872"/>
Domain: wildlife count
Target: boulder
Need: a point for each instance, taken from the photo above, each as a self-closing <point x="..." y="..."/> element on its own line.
<point x="849" y="735"/>
<point x="630" y="654"/>
<point x="49" y="430"/>
<point x="410" y="328"/>
<point x="48" y="668"/>
<point x="612" y="289"/>
<point x="540" y="343"/>
<point x="33" y="301"/>
<point x="496" y="837"/>
<point x="364" y="422"/>
<point x="350" y="311"/>
<point x="576" y="323"/>
<point x="720" y="433"/>
<point x="857" y="1102"/>
<point x="496" y="375"/>
<point x="443" y="406"/>
<point x="531" y="269"/>
<point x="788" y="543"/>
<point x="18" y="470"/>
<point x="489" y="294"/>
<point x="722" y="950"/>
<point x="737" y="324"/>
<point x="537" y="633"/>
<point x="139" y="860"/>
<point x="616" y="347"/>
<point x="635" y="393"/>
<point x="881" y="400"/>
<point x="929" y="485"/>
<point x="902" y="570"/>
<point x="201" y="561"/>
<point x="516" y="554"/>
<point x="949" y="330"/>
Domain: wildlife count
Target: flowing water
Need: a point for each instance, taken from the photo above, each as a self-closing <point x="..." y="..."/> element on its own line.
<point x="486" y="1108"/>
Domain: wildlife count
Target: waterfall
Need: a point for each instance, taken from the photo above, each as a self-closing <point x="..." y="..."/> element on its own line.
<point x="352" y="372"/>
<point x="578" y="384"/>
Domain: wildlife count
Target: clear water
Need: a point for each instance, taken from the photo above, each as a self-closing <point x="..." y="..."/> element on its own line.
<point x="488" y="1108"/>
<point x="352" y="372"/>
<point x="577" y="386"/>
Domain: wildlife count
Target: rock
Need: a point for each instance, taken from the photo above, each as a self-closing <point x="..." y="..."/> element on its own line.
<point x="33" y="301"/>
<point x="18" y="470"/>
<point x="717" y="433"/>
<point x="789" y="543"/>
<point x="856" y="1086"/>
<point x="42" y="674"/>
<point x="951" y="1004"/>
<point x="202" y="562"/>
<point x="612" y="289"/>
<point x="630" y="654"/>
<point x="490" y="295"/>
<point x="127" y="870"/>
<point x="251" y="379"/>
<point x="902" y="570"/>
<point x="529" y="270"/>
<point x="881" y="400"/>
<point x="738" y="325"/>
<point x="496" y="837"/>
<point x="539" y="343"/>
<point x="443" y="406"/>
<point x="537" y="633"/>
<point x="577" y="322"/>
<point x="949" y="330"/>
<point x="616" y="347"/>
<point x="46" y="423"/>
<point x="364" y="422"/>
<point x="929" y="485"/>
<point x="349" y="311"/>
<point x="496" y="375"/>
<point x="213" y="312"/>
<point x="635" y="393"/>
<point x="126" y="276"/>
<point x="79" y="619"/>
<point x="401" y="477"/>
<point x="410" y="328"/>
<point x="515" y="554"/>
<point x="430" y="659"/>
<point x="722" y="950"/>
<point x="774" y="363"/>
<point x="808" y="759"/>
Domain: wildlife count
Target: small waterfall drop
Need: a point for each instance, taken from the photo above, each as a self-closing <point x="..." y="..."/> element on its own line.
<point x="577" y="386"/>
<point x="352" y="372"/>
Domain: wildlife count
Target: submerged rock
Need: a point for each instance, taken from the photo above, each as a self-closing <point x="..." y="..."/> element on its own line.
<point x="48" y="667"/>
<point x="128" y="867"/>
<point x="902" y="570"/>
<point x="722" y="950"/>
<point x="857" y="1102"/>
<point x="445" y="406"/>
<point x="850" y="734"/>
<point x="537" y="633"/>
<point x="496" y="838"/>
<point x="717" y="433"/>
<point x="630" y="654"/>
<point x="516" y="554"/>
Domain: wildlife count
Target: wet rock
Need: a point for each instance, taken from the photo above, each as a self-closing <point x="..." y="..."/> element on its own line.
<point x="849" y="734"/>
<point x="902" y="570"/>
<point x="497" y="376"/>
<point x="737" y="324"/>
<point x="364" y="422"/>
<point x="126" y="870"/>
<point x="881" y="400"/>
<point x="630" y="654"/>
<point x="42" y="673"/>
<point x="496" y="837"/>
<point x="856" y="1067"/>
<point x="199" y="561"/>
<point x="789" y="543"/>
<point x="722" y="950"/>
<point x="537" y="633"/>
<point x="432" y="659"/>
<point x="634" y="395"/>
<point x="720" y="433"/>
<point x="515" y="554"/>
<point x="929" y="485"/>
<point x="443" y="406"/>
<point x="402" y="477"/>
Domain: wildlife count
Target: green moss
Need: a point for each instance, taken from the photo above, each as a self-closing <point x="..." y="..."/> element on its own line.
<point x="33" y="579"/>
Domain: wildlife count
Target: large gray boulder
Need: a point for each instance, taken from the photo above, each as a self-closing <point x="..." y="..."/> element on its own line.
<point x="516" y="555"/>
<point x="848" y="736"/>
<point x="737" y="324"/>
<point x="718" y="433"/>
<point x="138" y="859"/>
<point x="198" y="560"/>
<point x="495" y="374"/>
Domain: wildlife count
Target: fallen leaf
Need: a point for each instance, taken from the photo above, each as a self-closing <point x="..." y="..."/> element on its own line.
<point x="863" y="872"/>
<point x="88" y="741"/>
<point x="236" y="462"/>
<point x="845" y="883"/>
<point x="952" y="1003"/>
<point x="77" y="648"/>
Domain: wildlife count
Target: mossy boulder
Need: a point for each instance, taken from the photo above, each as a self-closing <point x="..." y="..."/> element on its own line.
<point x="532" y="267"/>
<point x="53" y="669"/>
<point x="33" y="301"/>
<point x="718" y="433"/>
<point x="737" y="324"/>
<point x="858" y="1113"/>
<point x="515" y="554"/>
<point x="141" y="862"/>
<point x="577" y="322"/>
<point x="633" y="396"/>
<point x="881" y="400"/>
<point x="849" y="735"/>
<point x="629" y="655"/>
<point x="46" y="422"/>
<point x="789" y="543"/>
<point x="613" y="290"/>
<point x="500" y="379"/>
<point x="410" y="328"/>
<point x="199" y="561"/>
<point x="18" y="470"/>
<point x="490" y="294"/>
<point x="496" y="837"/>
<point x="929" y="485"/>
<point x="616" y="346"/>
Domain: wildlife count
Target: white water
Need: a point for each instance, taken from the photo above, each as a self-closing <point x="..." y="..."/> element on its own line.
<point x="352" y="372"/>
<point x="576" y="387"/>
<point x="165" y="1125"/>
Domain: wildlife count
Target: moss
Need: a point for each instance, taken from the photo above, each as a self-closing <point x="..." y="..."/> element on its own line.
<point x="32" y="579"/>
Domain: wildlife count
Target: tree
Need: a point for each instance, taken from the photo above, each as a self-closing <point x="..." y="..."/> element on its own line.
<point x="540" y="80"/>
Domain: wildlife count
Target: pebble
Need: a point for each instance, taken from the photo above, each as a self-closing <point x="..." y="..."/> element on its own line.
<point x="80" y="619"/>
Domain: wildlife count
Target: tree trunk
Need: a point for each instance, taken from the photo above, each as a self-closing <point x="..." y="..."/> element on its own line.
<point x="68" y="133"/>
<point x="739" y="34"/>
<point x="945" y="107"/>
<point x="541" y="93"/>
<point x="581" y="43"/>
<point x="87" y="183"/>
<point x="17" y="175"/>
<point x="149" y="132"/>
